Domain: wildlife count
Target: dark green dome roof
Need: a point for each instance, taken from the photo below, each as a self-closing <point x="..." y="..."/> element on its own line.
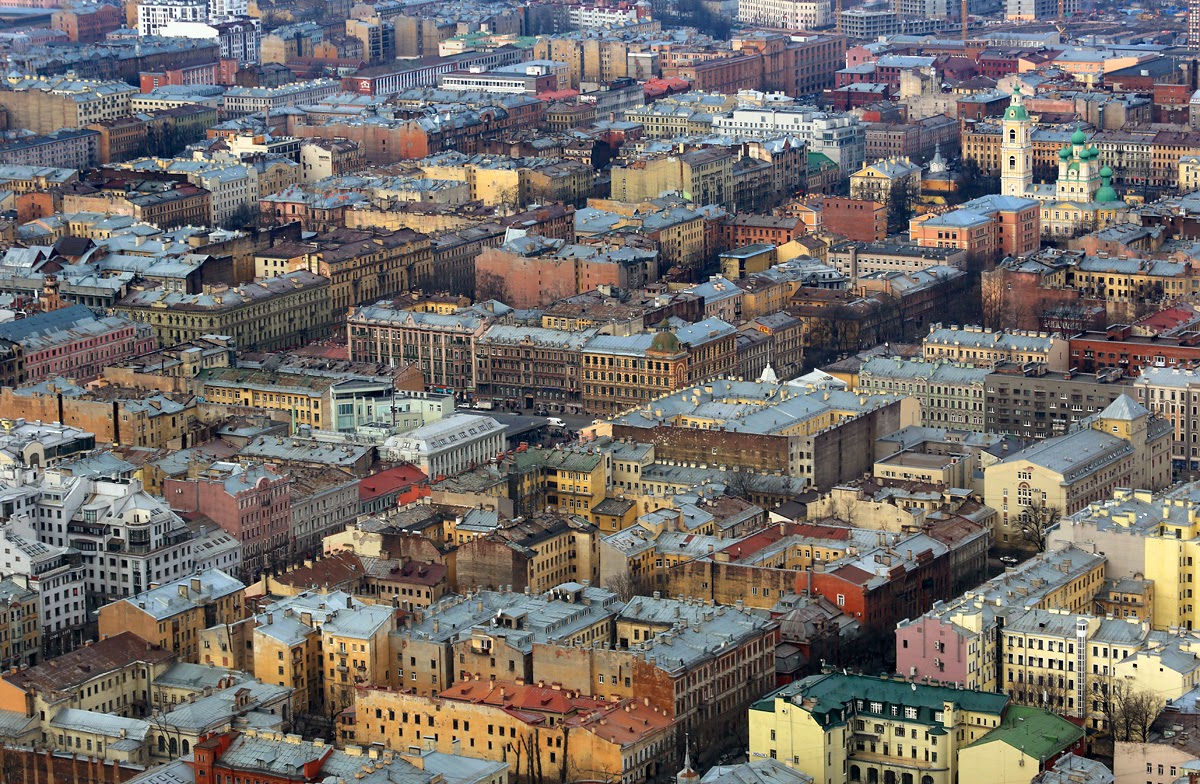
<point x="1079" y="137"/>
<point x="1106" y="172"/>
<point x="1106" y="194"/>
<point x="665" y="342"/>
<point x="1064" y="153"/>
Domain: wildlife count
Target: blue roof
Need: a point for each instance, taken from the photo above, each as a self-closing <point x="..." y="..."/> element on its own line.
<point x="51" y="321"/>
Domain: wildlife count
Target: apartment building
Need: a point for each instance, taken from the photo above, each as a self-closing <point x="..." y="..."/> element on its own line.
<point x="153" y="15"/>
<point x="128" y="539"/>
<point x="879" y="728"/>
<point x="956" y="641"/>
<point x="1122" y="446"/>
<point x="73" y="343"/>
<point x="173" y="614"/>
<point x="1172" y="395"/>
<point x="951" y="394"/>
<point x="46" y="104"/>
<point x="536" y="552"/>
<point x="20" y="624"/>
<point x="824" y="442"/>
<point x="57" y="574"/>
<point x="252" y="503"/>
<point x="839" y="137"/>
<point x="700" y="663"/>
<point x="625" y="739"/>
<point x="1028" y="401"/>
<point x="113" y="675"/>
<point x="449" y="634"/>
<point x="1149" y="536"/>
<point x="985" y="347"/>
<point x="786" y="14"/>
<point x="279" y="313"/>
<point x="442" y="346"/>
<point x="241" y="101"/>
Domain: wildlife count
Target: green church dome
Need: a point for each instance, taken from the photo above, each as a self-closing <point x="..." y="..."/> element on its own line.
<point x="1064" y="153"/>
<point x="1079" y="137"/>
<point x="665" y="342"/>
<point x="1017" y="113"/>
<point x="1106" y="194"/>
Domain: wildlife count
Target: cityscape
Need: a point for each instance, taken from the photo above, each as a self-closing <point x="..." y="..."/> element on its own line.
<point x="599" y="392"/>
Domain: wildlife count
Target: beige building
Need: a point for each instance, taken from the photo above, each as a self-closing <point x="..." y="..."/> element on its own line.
<point x="876" y="181"/>
<point x="569" y="737"/>
<point x="173" y="615"/>
<point x="283" y="312"/>
<point x="881" y="729"/>
<point x="975" y="345"/>
<point x="1122" y="446"/>
<point x="113" y="676"/>
<point x="46" y="104"/>
<point x="322" y="158"/>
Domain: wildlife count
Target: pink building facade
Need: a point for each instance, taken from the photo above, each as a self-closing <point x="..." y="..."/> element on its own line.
<point x="252" y="503"/>
<point x="937" y="648"/>
<point x="83" y="350"/>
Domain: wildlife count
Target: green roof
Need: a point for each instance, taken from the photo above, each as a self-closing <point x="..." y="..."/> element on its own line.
<point x="819" y="160"/>
<point x="1037" y="732"/>
<point x="837" y="698"/>
<point x="1017" y="113"/>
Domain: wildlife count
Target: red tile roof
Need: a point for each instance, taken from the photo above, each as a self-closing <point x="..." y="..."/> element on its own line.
<point x="398" y="477"/>
<point x="64" y="672"/>
<point x="522" y="697"/>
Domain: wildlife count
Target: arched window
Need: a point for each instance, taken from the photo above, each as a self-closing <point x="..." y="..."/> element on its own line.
<point x="872" y="776"/>
<point x="186" y="749"/>
<point x="906" y="778"/>
<point x="889" y="777"/>
<point x="172" y="747"/>
<point x="1012" y="134"/>
<point x="162" y="743"/>
<point x="1012" y="161"/>
<point x="855" y="773"/>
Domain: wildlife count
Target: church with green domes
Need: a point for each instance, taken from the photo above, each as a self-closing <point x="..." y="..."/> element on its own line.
<point x="1081" y="199"/>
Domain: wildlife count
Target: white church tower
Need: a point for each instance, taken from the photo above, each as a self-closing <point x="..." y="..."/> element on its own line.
<point x="1016" y="148"/>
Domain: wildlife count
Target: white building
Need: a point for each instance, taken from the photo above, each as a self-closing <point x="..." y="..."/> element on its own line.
<point x="127" y="538"/>
<point x="239" y="38"/>
<point x="240" y="101"/>
<point x="219" y="10"/>
<point x="786" y="14"/>
<point x="56" y="573"/>
<point x="448" y="446"/>
<point x="215" y="548"/>
<point x="156" y="14"/>
<point x="592" y="17"/>
<point x="840" y="137"/>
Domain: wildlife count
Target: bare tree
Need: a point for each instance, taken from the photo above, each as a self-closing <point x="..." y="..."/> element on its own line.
<point x="1129" y="710"/>
<point x="628" y="584"/>
<point x="1036" y="522"/>
<point x="737" y="484"/>
<point x="489" y="285"/>
<point x="993" y="296"/>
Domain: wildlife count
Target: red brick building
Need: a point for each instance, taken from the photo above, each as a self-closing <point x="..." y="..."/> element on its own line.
<point x="855" y="219"/>
<point x="1118" y="347"/>
<point x="87" y="25"/>
<point x="204" y="73"/>
<point x="747" y="229"/>
<point x="251" y="503"/>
